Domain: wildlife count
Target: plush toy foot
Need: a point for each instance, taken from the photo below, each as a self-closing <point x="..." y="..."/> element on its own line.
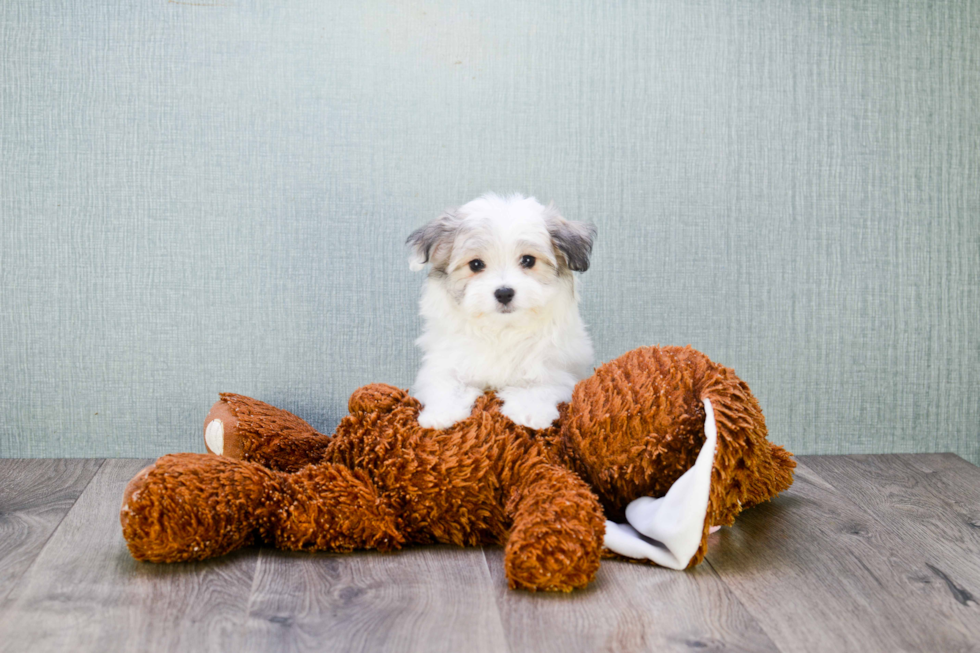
<point x="670" y="530"/>
<point x="243" y="428"/>
<point x="551" y="562"/>
<point x="221" y="436"/>
<point x="194" y="506"/>
<point x="556" y="539"/>
<point x="237" y="425"/>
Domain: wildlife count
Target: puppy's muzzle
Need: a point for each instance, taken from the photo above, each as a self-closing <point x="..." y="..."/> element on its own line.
<point x="504" y="295"/>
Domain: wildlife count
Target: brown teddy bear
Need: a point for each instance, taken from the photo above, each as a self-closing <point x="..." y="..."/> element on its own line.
<point x="662" y="438"/>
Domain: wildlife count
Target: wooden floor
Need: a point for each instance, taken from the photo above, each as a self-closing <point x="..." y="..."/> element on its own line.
<point x="863" y="553"/>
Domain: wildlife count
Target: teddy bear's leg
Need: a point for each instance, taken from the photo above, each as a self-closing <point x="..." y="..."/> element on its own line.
<point x="248" y="429"/>
<point x="195" y="506"/>
<point x="556" y="539"/>
<point x="672" y="530"/>
<point x="192" y="507"/>
<point x="329" y="507"/>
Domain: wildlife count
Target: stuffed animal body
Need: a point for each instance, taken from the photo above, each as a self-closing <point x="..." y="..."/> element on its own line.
<point x="661" y="438"/>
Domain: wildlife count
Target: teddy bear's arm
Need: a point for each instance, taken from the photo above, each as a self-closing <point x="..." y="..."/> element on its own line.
<point x="379" y="398"/>
<point x="555" y="542"/>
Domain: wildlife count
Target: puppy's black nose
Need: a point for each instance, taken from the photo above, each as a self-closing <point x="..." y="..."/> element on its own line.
<point x="504" y="295"/>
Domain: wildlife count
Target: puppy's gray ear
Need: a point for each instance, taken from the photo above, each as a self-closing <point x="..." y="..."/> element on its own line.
<point x="433" y="242"/>
<point x="572" y="239"/>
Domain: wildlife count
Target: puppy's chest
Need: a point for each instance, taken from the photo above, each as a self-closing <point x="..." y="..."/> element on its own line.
<point x="505" y="361"/>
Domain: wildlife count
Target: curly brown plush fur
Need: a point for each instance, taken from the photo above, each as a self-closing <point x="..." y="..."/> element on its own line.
<point x="383" y="482"/>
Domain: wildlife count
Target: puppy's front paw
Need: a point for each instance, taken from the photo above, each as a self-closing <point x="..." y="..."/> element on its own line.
<point x="530" y="413"/>
<point x="441" y="416"/>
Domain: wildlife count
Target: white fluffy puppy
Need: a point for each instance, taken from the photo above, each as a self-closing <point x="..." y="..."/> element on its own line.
<point x="501" y="310"/>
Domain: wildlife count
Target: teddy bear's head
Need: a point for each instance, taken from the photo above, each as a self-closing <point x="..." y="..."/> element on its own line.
<point x="636" y="425"/>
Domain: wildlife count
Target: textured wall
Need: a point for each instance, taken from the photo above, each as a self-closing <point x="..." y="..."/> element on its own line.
<point x="204" y="196"/>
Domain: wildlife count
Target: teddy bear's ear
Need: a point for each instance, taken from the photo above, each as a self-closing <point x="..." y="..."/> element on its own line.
<point x="669" y="530"/>
<point x="433" y="242"/>
<point x="573" y="240"/>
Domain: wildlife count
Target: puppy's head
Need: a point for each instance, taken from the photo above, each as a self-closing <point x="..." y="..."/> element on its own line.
<point x="502" y="257"/>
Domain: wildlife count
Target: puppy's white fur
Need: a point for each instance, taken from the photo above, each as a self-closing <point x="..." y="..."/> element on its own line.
<point x="532" y="349"/>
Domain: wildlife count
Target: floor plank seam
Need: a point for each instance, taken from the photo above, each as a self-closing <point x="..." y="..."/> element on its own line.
<point x="733" y="592"/>
<point x="496" y="604"/>
<point x="54" y="530"/>
<point x="252" y="590"/>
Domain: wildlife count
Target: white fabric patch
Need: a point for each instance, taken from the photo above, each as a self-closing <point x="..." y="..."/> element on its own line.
<point x="214" y="436"/>
<point x="668" y="530"/>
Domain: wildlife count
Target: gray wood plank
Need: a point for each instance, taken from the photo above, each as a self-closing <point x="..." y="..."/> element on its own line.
<point x="961" y="477"/>
<point x="419" y="599"/>
<point x="35" y="495"/>
<point x="629" y="607"/>
<point x="933" y="500"/>
<point x="821" y="574"/>
<point x="945" y="462"/>
<point x="85" y="593"/>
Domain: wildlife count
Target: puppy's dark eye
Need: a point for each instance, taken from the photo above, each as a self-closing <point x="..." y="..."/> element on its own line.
<point x="476" y="265"/>
<point x="527" y="261"/>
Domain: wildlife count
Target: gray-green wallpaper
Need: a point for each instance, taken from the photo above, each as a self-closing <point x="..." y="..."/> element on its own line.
<point x="205" y="196"/>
